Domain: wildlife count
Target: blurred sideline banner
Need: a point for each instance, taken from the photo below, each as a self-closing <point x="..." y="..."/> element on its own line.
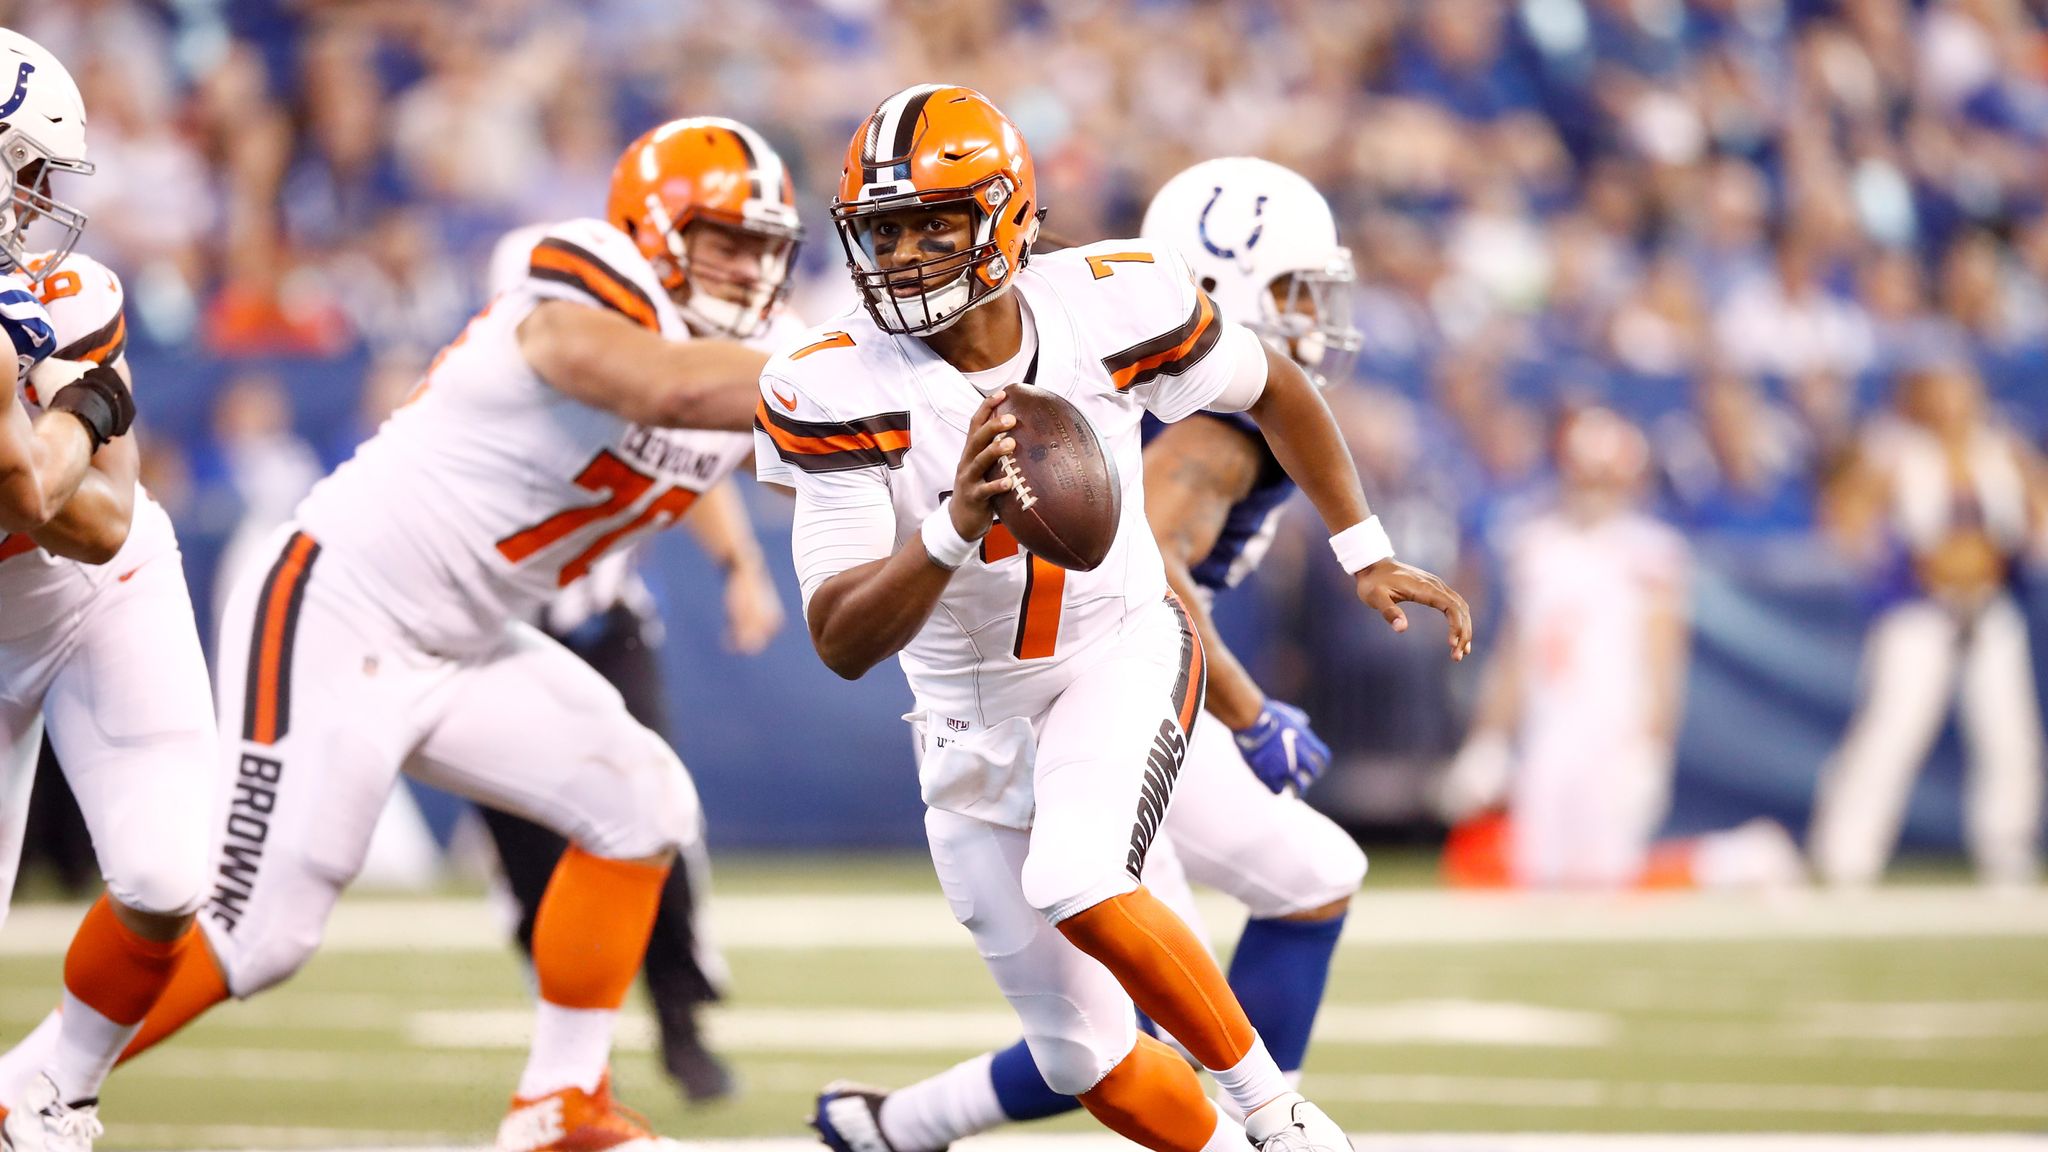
<point x="787" y="755"/>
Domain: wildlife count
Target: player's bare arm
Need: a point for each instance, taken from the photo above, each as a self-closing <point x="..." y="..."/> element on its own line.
<point x="753" y="608"/>
<point x="1303" y="435"/>
<point x="1670" y="649"/>
<point x="1194" y="472"/>
<point x="42" y="462"/>
<point x="609" y="362"/>
<point x="867" y="614"/>
<point x="93" y="524"/>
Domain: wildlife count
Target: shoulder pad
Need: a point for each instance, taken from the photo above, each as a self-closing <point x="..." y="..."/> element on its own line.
<point x="589" y="261"/>
<point x="1140" y="304"/>
<point x="823" y="404"/>
<point x="84" y="299"/>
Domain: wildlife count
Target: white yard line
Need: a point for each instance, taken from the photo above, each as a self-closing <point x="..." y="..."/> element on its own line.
<point x="1682" y="1097"/>
<point x="1378" y="919"/>
<point x="753" y="1028"/>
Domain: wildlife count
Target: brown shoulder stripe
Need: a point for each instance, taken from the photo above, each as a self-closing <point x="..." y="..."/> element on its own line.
<point x="566" y="263"/>
<point x="101" y="347"/>
<point x="820" y="446"/>
<point x="1169" y="353"/>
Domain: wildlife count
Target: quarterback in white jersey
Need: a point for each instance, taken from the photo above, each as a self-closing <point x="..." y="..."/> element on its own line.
<point x="384" y="631"/>
<point x="1054" y="705"/>
<point x="1263" y="243"/>
<point x="96" y="629"/>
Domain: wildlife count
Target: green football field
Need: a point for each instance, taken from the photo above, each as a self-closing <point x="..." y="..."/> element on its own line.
<point x="1920" y="1008"/>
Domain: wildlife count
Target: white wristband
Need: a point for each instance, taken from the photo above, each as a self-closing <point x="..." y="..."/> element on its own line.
<point x="943" y="542"/>
<point x="1362" y="545"/>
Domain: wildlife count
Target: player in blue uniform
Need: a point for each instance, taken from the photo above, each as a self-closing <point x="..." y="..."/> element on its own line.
<point x="1262" y="243"/>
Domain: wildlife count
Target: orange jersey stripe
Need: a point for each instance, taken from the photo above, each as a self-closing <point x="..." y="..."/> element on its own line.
<point x="1205" y="315"/>
<point x="888" y="440"/>
<point x="1045" y="587"/>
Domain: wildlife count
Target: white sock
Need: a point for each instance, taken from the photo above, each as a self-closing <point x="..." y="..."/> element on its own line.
<point x="1253" y="1080"/>
<point x="86" y="1048"/>
<point x="1231" y="1109"/>
<point x="19" y="1064"/>
<point x="939" y="1110"/>
<point x="1228" y="1136"/>
<point x="572" y="1047"/>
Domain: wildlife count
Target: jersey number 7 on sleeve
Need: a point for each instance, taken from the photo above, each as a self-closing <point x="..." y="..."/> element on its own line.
<point x="621" y="487"/>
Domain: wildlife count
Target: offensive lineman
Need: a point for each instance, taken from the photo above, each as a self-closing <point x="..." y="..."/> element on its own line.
<point x="96" y="627"/>
<point x="574" y="413"/>
<point x="1053" y="706"/>
<point x="1261" y="241"/>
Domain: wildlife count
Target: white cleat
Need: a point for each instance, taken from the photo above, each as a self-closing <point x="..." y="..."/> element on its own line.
<point x="44" y="1123"/>
<point x="1292" y="1124"/>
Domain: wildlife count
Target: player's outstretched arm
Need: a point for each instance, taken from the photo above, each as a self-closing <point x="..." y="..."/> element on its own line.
<point x="753" y="608"/>
<point x="867" y="613"/>
<point x="1194" y="472"/>
<point x="1304" y="437"/>
<point x="609" y="362"/>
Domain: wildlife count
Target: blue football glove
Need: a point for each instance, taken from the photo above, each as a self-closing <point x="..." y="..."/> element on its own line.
<point x="1282" y="749"/>
<point x="27" y="324"/>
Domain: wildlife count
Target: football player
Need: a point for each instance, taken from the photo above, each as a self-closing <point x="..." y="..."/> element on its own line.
<point x="608" y="620"/>
<point x="98" y="639"/>
<point x="1053" y="706"/>
<point x="384" y="633"/>
<point x="1262" y="243"/>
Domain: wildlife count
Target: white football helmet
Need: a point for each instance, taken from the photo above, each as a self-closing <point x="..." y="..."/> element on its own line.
<point x="1247" y="225"/>
<point x="42" y="129"/>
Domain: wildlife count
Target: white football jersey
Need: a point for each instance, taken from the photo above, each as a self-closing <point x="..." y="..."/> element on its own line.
<point x="854" y="416"/>
<point x="1583" y="596"/>
<point x="489" y="491"/>
<point x="84" y="299"/>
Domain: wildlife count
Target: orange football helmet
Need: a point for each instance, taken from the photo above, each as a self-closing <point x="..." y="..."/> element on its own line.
<point x="720" y="173"/>
<point x="931" y="146"/>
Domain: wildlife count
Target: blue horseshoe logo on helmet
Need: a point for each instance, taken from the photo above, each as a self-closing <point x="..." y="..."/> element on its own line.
<point x="1250" y="242"/>
<point x="20" y="90"/>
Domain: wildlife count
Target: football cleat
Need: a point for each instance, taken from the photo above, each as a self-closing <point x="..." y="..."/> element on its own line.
<point x="572" y="1120"/>
<point x="849" y="1118"/>
<point x="1289" y="1123"/>
<point x="43" y="1122"/>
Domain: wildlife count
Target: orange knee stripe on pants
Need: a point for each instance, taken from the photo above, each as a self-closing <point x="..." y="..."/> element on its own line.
<point x="1153" y="1098"/>
<point x="119" y="974"/>
<point x="592" y="928"/>
<point x="196" y="985"/>
<point x="1167" y="971"/>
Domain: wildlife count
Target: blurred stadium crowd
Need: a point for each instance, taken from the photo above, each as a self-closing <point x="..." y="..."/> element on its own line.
<point x="1736" y="222"/>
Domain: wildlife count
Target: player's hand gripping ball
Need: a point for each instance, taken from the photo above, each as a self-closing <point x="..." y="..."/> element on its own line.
<point x="1065" y="500"/>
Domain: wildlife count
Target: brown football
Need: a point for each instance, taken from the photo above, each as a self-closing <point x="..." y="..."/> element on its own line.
<point x="1068" y="500"/>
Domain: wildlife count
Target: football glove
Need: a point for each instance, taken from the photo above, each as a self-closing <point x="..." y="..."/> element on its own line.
<point x="1282" y="749"/>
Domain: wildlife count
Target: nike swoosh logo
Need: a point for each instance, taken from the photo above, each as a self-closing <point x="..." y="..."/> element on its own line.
<point x="54" y="119"/>
<point x="128" y="575"/>
<point x="788" y="402"/>
<point x="956" y="155"/>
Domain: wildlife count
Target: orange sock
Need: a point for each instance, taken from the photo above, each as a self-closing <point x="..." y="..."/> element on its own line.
<point x="1153" y="1098"/>
<point x="592" y="928"/>
<point x="1167" y="972"/>
<point x="195" y="985"/>
<point x="114" y="971"/>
